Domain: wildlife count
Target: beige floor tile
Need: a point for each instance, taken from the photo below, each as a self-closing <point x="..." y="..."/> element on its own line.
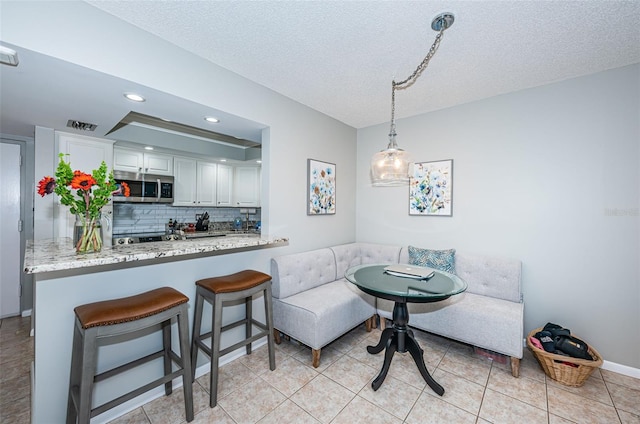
<point x="323" y="398"/>
<point x="594" y="388"/>
<point x="501" y="409"/>
<point x="622" y="380"/>
<point x="394" y="396"/>
<point x="212" y="415"/>
<point x="290" y="376"/>
<point x="577" y="408"/>
<point x="252" y="402"/>
<point x="434" y="410"/>
<point x="289" y="347"/>
<point x="170" y="409"/>
<point x="458" y="391"/>
<point x="628" y="418"/>
<point x="525" y="389"/>
<point x="360" y="410"/>
<point x="288" y="413"/>
<point x="231" y="376"/>
<point x="360" y="353"/>
<point x="348" y="341"/>
<point x="554" y="419"/>
<point x="350" y="373"/>
<point x="404" y="368"/>
<point x="466" y="365"/>
<point x="625" y="398"/>
<point x="137" y="416"/>
<point x="258" y="361"/>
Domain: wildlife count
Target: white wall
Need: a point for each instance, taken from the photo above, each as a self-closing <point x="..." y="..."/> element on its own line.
<point x="81" y="34"/>
<point x="547" y="175"/>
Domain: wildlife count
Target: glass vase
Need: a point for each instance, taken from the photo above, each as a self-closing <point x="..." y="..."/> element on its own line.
<point x="87" y="234"/>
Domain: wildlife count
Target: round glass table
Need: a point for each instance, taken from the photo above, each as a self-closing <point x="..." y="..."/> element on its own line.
<point x="373" y="279"/>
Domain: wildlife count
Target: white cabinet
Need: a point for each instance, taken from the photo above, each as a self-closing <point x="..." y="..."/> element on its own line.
<point x="224" y="185"/>
<point x="85" y="154"/>
<point x="246" y="186"/>
<point x="194" y="183"/>
<point x="184" y="184"/>
<point x="136" y="161"/>
<point x="206" y="184"/>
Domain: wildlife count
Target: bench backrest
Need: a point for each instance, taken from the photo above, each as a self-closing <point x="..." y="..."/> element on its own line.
<point x="295" y="273"/>
<point x="352" y="254"/>
<point x="486" y="275"/>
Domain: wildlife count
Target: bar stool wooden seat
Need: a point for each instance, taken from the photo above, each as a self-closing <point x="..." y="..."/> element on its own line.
<point x="96" y="322"/>
<point x="217" y="290"/>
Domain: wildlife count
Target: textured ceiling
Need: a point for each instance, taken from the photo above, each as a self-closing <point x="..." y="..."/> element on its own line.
<point x="339" y="57"/>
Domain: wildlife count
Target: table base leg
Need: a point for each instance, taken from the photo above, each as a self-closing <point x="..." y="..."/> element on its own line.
<point x="387" y="334"/>
<point x="416" y="352"/>
<point x="400" y="338"/>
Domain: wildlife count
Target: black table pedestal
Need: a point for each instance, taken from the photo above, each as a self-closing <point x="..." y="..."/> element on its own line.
<point x="400" y="338"/>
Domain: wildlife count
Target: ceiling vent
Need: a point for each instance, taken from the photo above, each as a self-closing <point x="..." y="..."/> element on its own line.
<point x="82" y="126"/>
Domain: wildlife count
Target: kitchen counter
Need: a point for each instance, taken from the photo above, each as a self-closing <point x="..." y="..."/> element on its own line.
<point x="58" y="254"/>
<point x="64" y="280"/>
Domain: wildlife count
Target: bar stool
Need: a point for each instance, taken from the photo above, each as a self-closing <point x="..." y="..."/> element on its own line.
<point x="217" y="290"/>
<point x="98" y="321"/>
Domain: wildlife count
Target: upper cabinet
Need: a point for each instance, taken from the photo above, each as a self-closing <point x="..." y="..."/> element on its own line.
<point x="246" y="186"/>
<point x="142" y="162"/>
<point x="84" y="154"/>
<point x="224" y="185"/>
<point x="194" y="183"/>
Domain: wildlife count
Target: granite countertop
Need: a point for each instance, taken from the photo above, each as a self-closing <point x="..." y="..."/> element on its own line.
<point x="58" y="254"/>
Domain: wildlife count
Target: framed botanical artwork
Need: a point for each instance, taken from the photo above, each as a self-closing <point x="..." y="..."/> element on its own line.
<point x="431" y="188"/>
<point x="321" y="187"/>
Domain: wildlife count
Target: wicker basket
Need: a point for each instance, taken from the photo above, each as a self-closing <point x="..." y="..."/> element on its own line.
<point x="555" y="366"/>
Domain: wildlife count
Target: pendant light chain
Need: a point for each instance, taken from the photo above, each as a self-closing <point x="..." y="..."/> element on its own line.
<point x="408" y="82"/>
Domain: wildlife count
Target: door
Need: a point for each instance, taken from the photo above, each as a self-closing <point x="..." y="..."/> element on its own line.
<point x="10" y="228"/>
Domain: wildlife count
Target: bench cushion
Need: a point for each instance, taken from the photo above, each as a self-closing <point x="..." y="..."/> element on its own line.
<point x="458" y="316"/>
<point x="322" y="314"/>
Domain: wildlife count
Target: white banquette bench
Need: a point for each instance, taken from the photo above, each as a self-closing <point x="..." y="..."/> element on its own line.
<point x="314" y="304"/>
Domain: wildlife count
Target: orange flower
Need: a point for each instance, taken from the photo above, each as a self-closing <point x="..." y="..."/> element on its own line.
<point x="125" y="189"/>
<point x="82" y="181"/>
<point x="46" y="186"/>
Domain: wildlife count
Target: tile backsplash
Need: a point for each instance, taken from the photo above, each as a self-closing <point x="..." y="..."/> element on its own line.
<point x="130" y="218"/>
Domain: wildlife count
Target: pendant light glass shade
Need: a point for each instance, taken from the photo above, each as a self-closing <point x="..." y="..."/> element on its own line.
<point x="390" y="167"/>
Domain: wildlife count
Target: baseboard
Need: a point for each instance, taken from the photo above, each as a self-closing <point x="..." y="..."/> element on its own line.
<point x="621" y="369"/>
<point x="26" y="313"/>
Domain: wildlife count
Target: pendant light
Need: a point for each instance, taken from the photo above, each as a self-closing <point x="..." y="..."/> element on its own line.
<point x="391" y="167"/>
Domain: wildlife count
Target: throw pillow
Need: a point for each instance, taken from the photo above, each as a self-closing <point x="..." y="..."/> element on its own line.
<point x="443" y="260"/>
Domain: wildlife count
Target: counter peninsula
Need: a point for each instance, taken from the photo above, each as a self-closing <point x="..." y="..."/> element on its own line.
<point x="64" y="280"/>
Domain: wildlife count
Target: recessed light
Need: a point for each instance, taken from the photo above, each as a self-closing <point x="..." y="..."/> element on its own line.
<point x="258" y="161"/>
<point x="211" y="119"/>
<point x="134" y="97"/>
<point x="223" y="160"/>
<point x="148" y="148"/>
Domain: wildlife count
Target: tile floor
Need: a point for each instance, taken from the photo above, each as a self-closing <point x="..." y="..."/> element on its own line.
<point x="478" y="390"/>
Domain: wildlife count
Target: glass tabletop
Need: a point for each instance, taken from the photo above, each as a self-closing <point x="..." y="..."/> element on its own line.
<point x="372" y="279"/>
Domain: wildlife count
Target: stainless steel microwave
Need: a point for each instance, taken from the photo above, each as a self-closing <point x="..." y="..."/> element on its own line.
<point x="145" y="188"/>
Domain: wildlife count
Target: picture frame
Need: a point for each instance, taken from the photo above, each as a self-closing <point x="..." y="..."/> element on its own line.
<point x="431" y="188"/>
<point x="321" y="187"/>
